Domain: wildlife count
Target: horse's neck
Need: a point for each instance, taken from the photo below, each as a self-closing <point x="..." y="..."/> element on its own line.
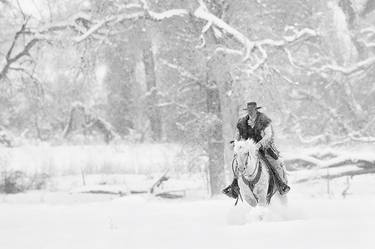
<point x="253" y="152"/>
<point x="251" y="149"/>
<point x="252" y="165"/>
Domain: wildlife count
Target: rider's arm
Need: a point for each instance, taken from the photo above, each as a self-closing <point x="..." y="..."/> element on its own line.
<point x="267" y="137"/>
<point x="235" y="173"/>
<point x="237" y="137"/>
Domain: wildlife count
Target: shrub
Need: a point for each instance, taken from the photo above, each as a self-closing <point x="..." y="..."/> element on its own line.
<point x="12" y="182"/>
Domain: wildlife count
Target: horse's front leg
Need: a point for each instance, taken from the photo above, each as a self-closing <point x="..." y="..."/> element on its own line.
<point x="261" y="191"/>
<point x="246" y="193"/>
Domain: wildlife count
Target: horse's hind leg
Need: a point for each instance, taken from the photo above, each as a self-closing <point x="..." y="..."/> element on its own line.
<point x="279" y="207"/>
<point x="284" y="200"/>
<point x="279" y="200"/>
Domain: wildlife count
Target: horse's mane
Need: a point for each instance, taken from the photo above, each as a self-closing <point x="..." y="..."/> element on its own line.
<point x="245" y="146"/>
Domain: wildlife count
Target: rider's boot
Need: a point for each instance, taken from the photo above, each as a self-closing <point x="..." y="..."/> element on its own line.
<point x="283" y="181"/>
<point x="284" y="189"/>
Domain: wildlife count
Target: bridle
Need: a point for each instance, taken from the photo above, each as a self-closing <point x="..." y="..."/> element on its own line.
<point x="246" y="163"/>
<point x="253" y="177"/>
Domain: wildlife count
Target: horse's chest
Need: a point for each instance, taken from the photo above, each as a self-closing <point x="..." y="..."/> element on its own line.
<point x="261" y="187"/>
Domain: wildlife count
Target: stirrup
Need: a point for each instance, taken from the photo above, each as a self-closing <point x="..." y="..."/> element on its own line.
<point x="285" y="189"/>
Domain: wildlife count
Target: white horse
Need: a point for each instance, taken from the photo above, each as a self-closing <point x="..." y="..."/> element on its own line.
<point x="254" y="176"/>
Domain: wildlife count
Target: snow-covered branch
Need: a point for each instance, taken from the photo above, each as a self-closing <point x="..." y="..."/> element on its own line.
<point x="90" y="31"/>
<point x="204" y="30"/>
<point x="202" y="13"/>
<point x="281" y="43"/>
<point x="253" y="52"/>
<point x="182" y="72"/>
<point x="166" y="14"/>
<point x="362" y="139"/>
<point x="362" y="65"/>
<point x="11" y="58"/>
<point x="140" y="11"/>
<point x="231" y="51"/>
<point x="249" y="47"/>
<point x="329" y="66"/>
<point x="297" y="34"/>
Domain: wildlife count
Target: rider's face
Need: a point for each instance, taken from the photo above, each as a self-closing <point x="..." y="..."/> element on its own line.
<point x="252" y="112"/>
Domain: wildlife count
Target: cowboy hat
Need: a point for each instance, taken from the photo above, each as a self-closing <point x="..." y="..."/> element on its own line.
<point x="251" y="105"/>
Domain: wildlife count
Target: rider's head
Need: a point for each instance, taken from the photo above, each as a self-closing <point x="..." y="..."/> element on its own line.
<point x="252" y="108"/>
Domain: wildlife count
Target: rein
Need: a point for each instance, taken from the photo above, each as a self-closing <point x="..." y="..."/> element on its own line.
<point x="256" y="170"/>
<point x="256" y="167"/>
<point x="250" y="183"/>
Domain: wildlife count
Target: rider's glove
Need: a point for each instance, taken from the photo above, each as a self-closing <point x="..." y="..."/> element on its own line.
<point x="258" y="145"/>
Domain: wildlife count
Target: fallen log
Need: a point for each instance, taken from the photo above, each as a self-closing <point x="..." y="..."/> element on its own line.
<point x="172" y="194"/>
<point x="327" y="160"/>
<point x="110" y="190"/>
<point x="339" y="162"/>
<point x="159" y="181"/>
<point x="300" y="163"/>
<point x="120" y="193"/>
<point x="350" y="173"/>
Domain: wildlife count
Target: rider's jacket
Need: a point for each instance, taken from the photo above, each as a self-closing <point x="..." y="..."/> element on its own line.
<point x="255" y="133"/>
<point x="262" y="123"/>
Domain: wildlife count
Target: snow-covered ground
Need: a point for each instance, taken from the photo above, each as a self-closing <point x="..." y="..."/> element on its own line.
<point x="72" y="159"/>
<point x="53" y="220"/>
<point x="337" y="213"/>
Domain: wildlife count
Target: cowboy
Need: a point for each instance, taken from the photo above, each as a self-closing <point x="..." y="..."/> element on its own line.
<point x="257" y="126"/>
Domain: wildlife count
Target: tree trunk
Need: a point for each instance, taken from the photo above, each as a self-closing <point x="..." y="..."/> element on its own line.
<point x="215" y="142"/>
<point x="153" y="110"/>
<point x="368" y="7"/>
<point x="214" y="90"/>
<point x="347" y="8"/>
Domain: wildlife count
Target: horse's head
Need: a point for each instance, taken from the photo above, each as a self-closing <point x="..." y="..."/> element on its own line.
<point x="245" y="153"/>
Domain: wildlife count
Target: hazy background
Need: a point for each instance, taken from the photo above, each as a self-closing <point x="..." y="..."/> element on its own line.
<point x="110" y="72"/>
<point x="130" y="98"/>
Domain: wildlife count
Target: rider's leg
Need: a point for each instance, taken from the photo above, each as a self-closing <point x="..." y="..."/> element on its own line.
<point x="278" y="165"/>
<point x="279" y="168"/>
